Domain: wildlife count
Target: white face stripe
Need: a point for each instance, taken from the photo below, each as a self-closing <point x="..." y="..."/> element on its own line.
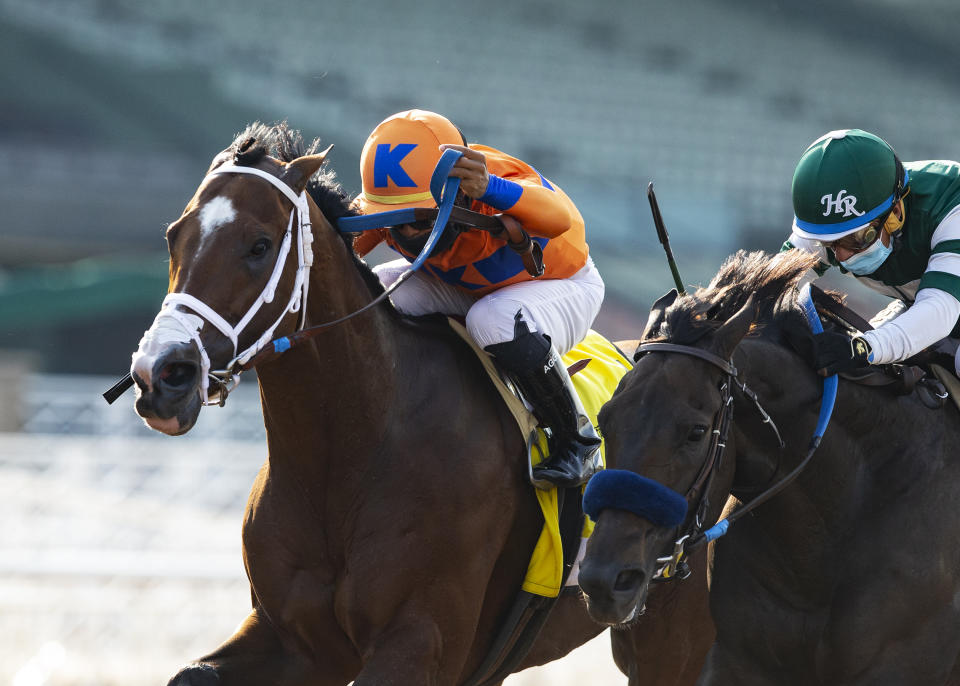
<point x="215" y="214"/>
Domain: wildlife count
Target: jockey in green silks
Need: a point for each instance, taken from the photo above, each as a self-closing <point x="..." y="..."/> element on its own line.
<point x="895" y="227"/>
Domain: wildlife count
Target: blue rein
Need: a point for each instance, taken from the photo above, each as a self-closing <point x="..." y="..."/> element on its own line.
<point x="624" y="490"/>
<point x="443" y="188"/>
<point x="830" y="383"/>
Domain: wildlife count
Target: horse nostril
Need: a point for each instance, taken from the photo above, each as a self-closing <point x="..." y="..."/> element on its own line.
<point x="628" y="580"/>
<point x="177" y="374"/>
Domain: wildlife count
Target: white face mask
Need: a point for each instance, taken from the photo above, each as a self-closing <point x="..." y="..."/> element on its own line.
<point x="869" y="260"/>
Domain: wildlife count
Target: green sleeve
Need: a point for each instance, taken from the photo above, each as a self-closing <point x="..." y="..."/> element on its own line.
<point x="941" y="280"/>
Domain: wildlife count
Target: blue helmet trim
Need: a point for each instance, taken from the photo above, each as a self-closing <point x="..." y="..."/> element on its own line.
<point x="831" y="232"/>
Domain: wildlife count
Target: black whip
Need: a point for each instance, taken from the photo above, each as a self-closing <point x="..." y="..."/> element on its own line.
<point x="664" y="238"/>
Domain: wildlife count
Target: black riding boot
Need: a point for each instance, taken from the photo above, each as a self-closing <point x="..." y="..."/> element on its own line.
<point x="539" y="372"/>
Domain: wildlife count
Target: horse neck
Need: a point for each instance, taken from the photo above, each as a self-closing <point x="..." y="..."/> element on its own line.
<point x="347" y="386"/>
<point x="790" y="392"/>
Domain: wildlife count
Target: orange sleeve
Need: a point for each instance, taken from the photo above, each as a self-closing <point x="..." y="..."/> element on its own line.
<point x="522" y="192"/>
<point x="368" y="240"/>
<point x="541" y="211"/>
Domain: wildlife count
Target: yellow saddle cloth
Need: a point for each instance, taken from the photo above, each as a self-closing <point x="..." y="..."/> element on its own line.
<point x="595" y="383"/>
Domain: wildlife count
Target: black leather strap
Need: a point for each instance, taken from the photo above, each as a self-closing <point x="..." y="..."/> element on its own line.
<point x="715" y="360"/>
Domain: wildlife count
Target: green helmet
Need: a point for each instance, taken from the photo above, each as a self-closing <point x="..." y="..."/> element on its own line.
<point x="844" y="180"/>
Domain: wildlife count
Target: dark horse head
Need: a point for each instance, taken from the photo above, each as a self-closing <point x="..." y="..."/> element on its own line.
<point x="824" y="582"/>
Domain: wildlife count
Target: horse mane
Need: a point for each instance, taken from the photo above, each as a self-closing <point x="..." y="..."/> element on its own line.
<point x="768" y="278"/>
<point x="279" y="141"/>
<point x="283" y="143"/>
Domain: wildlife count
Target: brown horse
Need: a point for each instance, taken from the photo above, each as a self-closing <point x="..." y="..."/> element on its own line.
<point x="387" y="534"/>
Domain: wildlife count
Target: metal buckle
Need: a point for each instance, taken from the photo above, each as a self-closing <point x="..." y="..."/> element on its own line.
<point x="674" y="566"/>
<point x="226" y="381"/>
<point x="534" y="444"/>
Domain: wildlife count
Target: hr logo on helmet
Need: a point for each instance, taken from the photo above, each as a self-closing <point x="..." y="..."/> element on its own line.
<point x="386" y="165"/>
<point x="843" y="203"/>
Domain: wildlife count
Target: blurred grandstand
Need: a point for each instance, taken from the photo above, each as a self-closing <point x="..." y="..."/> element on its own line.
<point x="113" y="108"/>
<point x="123" y="558"/>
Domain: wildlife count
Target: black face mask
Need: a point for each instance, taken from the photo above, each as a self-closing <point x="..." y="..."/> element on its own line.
<point x="414" y="245"/>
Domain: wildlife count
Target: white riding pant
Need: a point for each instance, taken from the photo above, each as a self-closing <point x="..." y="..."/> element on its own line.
<point x="563" y="309"/>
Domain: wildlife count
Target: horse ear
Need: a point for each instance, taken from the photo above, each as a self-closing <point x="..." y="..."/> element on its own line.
<point x="729" y="335"/>
<point x="658" y="313"/>
<point x="222" y="157"/>
<point x="296" y="173"/>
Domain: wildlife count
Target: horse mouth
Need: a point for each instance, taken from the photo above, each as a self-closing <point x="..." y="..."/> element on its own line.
<point x="167" y="391"/>
<point x="172" y="419"/>
<point x="620" y="604"/>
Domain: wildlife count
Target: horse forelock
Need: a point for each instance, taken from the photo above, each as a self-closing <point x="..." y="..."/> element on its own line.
<point x="259" y="141"/>
<point x="767" y="277"/>
<point x="285" y="144"/>
<point x="276" y="140"/>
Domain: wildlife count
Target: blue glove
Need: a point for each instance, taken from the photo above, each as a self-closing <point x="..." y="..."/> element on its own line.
<point x="835" y="352"/>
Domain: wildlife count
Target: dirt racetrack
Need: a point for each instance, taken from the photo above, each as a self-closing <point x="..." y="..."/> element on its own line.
<point x="120" y="560"/>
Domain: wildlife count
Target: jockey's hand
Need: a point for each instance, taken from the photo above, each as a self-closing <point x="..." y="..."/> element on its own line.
<point x="835" y="352"/>
<point x="472" y="170"/>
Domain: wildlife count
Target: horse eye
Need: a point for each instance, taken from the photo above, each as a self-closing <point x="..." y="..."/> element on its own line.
<point x="260" y="247"/>
<point x="697" y="432"/>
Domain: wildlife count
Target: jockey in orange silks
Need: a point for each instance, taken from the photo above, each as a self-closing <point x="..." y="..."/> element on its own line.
<point x="523" y="321"/>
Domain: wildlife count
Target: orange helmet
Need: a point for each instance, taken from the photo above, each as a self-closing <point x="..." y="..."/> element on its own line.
<point x="398" y="160"/>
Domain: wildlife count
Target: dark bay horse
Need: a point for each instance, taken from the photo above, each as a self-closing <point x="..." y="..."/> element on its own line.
<point x="848" y="576"/>
<point x="389" y="530"/>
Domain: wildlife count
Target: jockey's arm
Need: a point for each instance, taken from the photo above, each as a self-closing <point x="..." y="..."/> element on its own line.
<point x="540" y="210"/>
<point x="936" y="309"/>
<point x="930" y="319"/>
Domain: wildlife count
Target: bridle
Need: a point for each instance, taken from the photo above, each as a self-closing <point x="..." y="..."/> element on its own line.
<point x="172" y="325"/>
<point x="175" y="324"/>
<point x="673" y="565"/>
<point x="697" y="494"/>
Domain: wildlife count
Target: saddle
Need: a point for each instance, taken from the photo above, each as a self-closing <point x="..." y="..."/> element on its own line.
<point x="596" y="367"/>
<point x="922" y="374"/>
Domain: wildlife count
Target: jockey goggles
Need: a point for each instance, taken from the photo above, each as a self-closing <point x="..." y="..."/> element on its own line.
<point x="862" y="239"/>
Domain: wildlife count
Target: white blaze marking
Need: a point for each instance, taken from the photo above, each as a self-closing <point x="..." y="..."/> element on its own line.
<point x="215" y="214"/>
